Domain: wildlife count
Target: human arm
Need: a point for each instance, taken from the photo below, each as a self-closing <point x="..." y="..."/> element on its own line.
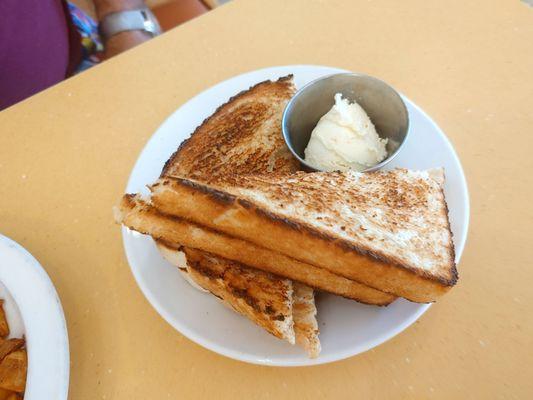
<point x="124" y="40"/>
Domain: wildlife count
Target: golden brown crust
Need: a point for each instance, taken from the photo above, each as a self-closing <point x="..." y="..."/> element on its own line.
<point x="239" y="217"/>
<point x="144" y="218"/>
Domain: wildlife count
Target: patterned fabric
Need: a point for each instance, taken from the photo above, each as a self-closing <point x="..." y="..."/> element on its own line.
<point x="92" y="46"/>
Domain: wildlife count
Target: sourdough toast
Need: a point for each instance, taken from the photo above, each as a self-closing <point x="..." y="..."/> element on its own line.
<point x="136" y="214"/>
<point x="242" y="136"/>
<point x="388" y="230"/>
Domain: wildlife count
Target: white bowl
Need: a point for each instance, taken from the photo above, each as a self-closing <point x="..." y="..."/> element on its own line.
<point x="347" y="327"/>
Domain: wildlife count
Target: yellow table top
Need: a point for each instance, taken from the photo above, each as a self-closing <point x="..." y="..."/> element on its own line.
<point x="66" y="153"/>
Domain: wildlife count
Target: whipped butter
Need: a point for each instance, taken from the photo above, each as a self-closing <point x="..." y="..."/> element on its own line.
<point x="345" y="138"/>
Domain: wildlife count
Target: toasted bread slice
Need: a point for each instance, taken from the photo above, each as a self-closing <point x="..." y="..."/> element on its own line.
<point x="243" y="136"/>
<point x="142" y="217"/>
<point x="246" y="290"/>
<point x="388" y="230"/>
<point x="303" y="298"/>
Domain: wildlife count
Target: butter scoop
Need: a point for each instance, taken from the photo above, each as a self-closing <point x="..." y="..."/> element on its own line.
<point x="345" y="138"/>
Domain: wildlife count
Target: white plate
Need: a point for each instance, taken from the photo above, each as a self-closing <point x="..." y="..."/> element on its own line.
<point x="33" y="310"/>
<point x="346" y="327"/>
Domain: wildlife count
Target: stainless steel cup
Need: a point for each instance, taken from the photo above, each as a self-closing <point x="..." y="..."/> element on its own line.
<point x="381" y="102"/>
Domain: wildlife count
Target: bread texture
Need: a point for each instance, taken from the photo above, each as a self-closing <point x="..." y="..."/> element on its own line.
<point x="388" y="230"/>
<point x="136" y="214"/>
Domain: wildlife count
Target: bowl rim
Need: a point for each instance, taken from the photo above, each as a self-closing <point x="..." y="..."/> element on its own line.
<point x="288" y="109"/>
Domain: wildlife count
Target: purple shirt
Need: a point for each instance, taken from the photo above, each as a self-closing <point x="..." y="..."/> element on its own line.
<point x="37" y="47"/>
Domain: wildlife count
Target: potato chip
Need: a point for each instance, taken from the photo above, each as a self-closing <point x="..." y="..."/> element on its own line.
<point x="4" y="327"/>
<point x="14" y="396"/>
<point x="5" y="394"/>
<point x="8" y="346"/>
<point x="13" y="370"/>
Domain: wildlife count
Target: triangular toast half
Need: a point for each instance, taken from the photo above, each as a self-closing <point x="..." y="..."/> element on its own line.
<point x="171" y="232"/>
<point x="242" y="137"/>
<point x="388" y="230"/>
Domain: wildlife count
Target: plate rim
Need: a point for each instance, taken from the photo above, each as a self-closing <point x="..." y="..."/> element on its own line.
<point x="323" y="359"/>
<point x="54" y="335"/>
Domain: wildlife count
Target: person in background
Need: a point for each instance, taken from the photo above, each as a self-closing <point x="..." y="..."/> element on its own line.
<point x="43" y="42"/>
